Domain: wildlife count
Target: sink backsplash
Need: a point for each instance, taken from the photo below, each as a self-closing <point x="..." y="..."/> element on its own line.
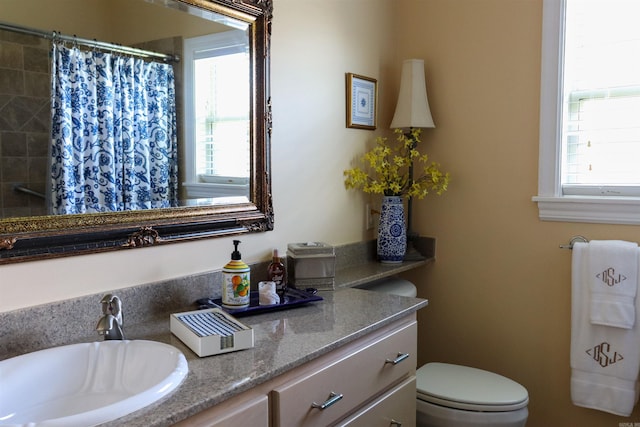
<point x="74" y="320"/>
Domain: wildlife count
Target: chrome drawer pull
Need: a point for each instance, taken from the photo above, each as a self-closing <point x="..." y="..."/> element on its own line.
<point x="395" y="423"/>
<point x="333" y="398"/>
<point x="400" y="358"/>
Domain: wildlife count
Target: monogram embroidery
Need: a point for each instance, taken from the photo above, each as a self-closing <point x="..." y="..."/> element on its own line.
<point x="610" y="278"/>
<point x="603" y="355"/>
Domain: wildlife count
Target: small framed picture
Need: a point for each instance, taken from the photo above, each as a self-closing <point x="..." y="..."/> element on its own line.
<point x="362" y="102"/>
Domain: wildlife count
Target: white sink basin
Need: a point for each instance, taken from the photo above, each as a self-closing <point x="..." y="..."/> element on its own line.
<point x="87" y="384"/>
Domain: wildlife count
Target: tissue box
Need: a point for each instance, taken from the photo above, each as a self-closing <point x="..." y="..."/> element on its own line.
<point x="212" y="331"/>
<point x="311" y="265"/>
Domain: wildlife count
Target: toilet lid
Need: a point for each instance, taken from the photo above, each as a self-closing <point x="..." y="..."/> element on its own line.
<point x="462" y="387"/>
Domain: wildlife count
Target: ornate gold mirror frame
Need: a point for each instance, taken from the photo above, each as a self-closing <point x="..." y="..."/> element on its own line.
<point x="31" y="238"/>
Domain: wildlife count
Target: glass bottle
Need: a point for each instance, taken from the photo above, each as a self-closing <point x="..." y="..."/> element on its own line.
<point x="276" y="273"/>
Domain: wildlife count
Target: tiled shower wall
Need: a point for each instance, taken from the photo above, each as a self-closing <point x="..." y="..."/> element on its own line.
<point x="24" y="122"/>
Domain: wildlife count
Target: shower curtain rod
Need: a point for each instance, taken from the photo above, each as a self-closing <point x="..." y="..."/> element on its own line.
<point x="90" y="43"/>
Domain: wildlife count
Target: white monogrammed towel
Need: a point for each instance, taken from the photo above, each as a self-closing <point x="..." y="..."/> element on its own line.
<point x="613" y="277"/>
<point x="605" y="360"/>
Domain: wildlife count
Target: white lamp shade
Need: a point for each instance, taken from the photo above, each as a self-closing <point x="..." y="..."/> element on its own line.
<point x="412" y="109"/>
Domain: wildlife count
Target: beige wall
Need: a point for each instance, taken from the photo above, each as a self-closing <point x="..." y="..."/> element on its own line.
<point x="499" y="291"/>
<point x="500" y="288"/>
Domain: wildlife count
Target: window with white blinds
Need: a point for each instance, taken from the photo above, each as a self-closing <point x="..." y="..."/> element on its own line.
<point x="589" y="160"/>
<point x="601" y="98"/>
<point x="221" y="119"/>
<point x="217" y="107"/>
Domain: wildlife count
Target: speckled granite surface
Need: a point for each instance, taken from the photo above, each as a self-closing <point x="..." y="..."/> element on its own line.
<point x="283" y="340"/>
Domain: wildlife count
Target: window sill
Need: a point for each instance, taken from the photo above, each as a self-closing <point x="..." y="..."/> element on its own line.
<point x="606" y="210"/>
<point x="196" y="190"/>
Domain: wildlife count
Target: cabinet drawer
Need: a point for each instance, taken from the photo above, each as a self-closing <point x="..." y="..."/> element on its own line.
<point x="358" y="375"/>
<point x="397" y="405"/>
<point x="245" y="410"/>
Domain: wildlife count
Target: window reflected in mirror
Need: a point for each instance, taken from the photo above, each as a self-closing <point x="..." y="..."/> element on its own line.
<point x="217" y="115"/>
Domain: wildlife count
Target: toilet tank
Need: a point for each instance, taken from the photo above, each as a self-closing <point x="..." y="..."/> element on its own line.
<point x="392" y="285"/>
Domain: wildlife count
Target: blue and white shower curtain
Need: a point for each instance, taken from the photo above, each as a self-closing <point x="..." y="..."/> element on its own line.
<point x="113" y="133"/>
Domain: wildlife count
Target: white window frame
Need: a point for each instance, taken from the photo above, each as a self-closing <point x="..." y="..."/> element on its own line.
<point x="552" y="204"/>
<point x="194" y="48"/>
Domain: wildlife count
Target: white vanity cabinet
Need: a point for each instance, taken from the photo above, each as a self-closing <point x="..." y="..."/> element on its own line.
<point x="368" y="382"/>
<point x="359" y="372"/>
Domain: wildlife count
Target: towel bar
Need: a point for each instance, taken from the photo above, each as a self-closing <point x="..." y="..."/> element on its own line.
<point x="574" y="240"/>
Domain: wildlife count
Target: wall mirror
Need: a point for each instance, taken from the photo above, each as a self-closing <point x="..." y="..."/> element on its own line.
<point x="219" y="128"/>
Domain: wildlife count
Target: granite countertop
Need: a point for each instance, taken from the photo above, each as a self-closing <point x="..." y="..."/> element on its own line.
<point x="283" y="340"/>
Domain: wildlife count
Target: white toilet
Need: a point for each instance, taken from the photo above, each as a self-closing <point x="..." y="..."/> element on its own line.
<point x="453" y="395"/>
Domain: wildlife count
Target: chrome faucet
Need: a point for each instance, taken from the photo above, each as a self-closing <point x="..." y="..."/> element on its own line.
<point x="110" y="324"/>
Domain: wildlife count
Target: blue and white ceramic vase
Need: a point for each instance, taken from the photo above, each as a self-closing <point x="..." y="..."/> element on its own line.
<point x="392" y="231"/>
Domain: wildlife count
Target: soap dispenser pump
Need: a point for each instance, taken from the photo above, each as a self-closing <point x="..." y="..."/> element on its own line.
<point x="236" y="281"/>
